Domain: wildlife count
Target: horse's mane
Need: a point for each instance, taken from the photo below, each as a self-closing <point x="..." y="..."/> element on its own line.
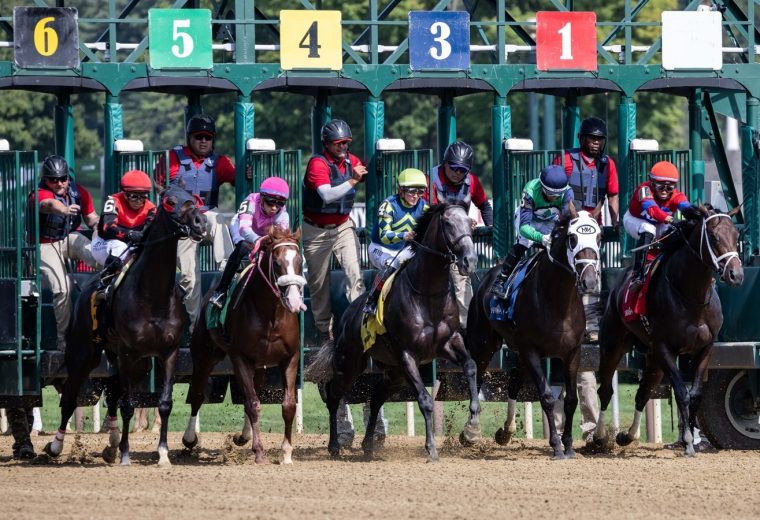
<point x="279" y="235"/>
<point x="424" y="222"/>
<point x="683" y="229"/>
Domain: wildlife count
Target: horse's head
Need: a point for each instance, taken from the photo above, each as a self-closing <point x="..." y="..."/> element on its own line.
<point x="580" y="236"/>
<point x="184" y="213"/>
<point x="286" y="267"/>
<point x="717" y="243"/>
<point x="446" y="230"/>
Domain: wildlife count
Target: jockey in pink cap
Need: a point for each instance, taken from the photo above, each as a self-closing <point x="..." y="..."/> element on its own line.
<point x="256" y="213"/>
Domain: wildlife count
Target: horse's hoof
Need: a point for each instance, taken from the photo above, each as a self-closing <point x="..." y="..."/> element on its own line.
<point x="463" y="440"/>
<point x="569" y="453"/>
<point x="623" y="439"/>
<point x="689" y="451"/>
<point x="191" y="444"/>
<point x="558" y="456"/>
<point x="109" y="454"/>
<point x="48" y="449"/>
<point x="240" y="440"/>
<point x="502" y="437"/>
<point x="433" y="460"/>
<point x="334" y="452"/>
<point x="125" y="459"/>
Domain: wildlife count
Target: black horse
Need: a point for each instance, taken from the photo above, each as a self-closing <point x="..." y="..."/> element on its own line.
<point x="548" y="321"/>
<point x="683" y="317"/>
<point x="421" y="321"/>
<point x="264" y="330"/>
<point x="147" y="320"/>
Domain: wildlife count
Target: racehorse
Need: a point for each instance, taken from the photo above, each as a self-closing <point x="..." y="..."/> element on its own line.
<point x="263" y="330"/>
<point x="683" y="317"/>
<point x="421" y="321"/>
<point x="549" y="321"/>
<point x="147" y="320"/>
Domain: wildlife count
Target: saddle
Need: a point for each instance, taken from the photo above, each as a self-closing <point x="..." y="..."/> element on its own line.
<point x="372" y="325"/>
<point x="216" y="318"/>
<point x="503" y="309"/>
<point x="635" y="300"/>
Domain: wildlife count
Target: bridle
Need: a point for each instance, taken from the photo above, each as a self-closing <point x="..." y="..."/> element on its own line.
<point x="586" y="230"/>
<point x="284" y="280"/>
<point x="449" y="254"/>
<point x="714" y="259"/>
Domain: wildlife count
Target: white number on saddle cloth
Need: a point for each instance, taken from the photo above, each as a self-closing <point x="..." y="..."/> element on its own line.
<point x="586" y="230"/>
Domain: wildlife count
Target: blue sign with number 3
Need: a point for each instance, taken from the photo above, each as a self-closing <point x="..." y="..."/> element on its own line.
<point x="439" y="40"/>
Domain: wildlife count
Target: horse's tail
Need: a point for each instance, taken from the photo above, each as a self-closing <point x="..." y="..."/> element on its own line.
<point x="321" y="367"/>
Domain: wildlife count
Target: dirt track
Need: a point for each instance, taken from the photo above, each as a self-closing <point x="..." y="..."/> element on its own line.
<point x="488" y="481"/>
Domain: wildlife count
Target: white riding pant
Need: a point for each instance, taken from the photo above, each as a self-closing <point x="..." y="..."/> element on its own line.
<point x="381" y="256"/>
<point x="102" y="248"/>
<point x="635" y="226"/>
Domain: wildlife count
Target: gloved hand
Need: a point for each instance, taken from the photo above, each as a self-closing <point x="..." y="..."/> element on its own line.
<point x="134" y="236"/>
<point x="546" y="240"/>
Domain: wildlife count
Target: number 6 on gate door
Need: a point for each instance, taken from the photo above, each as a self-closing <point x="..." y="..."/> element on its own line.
<point x="566" y="40"/>
<point x="311" y="40"/>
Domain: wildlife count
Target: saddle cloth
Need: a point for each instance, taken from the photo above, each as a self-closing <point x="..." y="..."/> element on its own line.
<point x="635" y="300"/>
<point x="372" y="325"/>
<point x="503" y="309"/>
<point x="216" y="317"/>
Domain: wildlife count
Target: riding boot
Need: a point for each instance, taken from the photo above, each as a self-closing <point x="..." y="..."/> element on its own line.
<point x="639" y="258"/>
<point x="370" y="306"/>
<point x="499" y="288"/>
<point x="233" y="262"/>
<point x="113" y="266"/>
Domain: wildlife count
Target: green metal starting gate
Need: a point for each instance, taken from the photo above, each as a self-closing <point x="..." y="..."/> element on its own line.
<point x="20" y="329"/>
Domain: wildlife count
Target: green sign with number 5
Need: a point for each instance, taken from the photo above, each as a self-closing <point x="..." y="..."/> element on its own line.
<point x="180" y="38"/>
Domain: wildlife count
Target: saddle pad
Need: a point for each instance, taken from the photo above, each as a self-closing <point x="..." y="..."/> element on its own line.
<point x="372" y="325"/>
<point x="635" y="301"/>
<point x="504" y="309"/>
<point x="216" y="317"/>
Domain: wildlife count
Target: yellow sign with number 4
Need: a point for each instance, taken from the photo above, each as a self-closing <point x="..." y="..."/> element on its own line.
<point x="311" y="40"/>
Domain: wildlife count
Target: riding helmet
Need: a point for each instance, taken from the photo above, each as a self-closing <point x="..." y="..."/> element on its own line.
<point x="664" y="171"/>
<point x="54" y="166"/>
<point x="275" y="187"/>
<point x="136" y="180"/>
<point x="201" y="123"/>
<point x="459" y="155"/>
<point x="593" y="126"/>
<point x="412" y="178"/>
<point x="336" y="131"/>
<point x="554" y="180"/>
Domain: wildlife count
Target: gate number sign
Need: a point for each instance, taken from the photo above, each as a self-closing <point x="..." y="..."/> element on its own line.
<point x="46" y="37"/>
<point x="566" y="40"/>
<point x="180" y="38"/>
<point x="311" y="40"/>
<point x="439" y="40"/>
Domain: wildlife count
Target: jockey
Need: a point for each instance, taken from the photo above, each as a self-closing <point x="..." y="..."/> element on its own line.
<point x="125" y="216"/>
<point x="651" y="211"/>
<point x="256" y="214"/>
<point x="543" y="201"/>
<point x="394" y="229"/>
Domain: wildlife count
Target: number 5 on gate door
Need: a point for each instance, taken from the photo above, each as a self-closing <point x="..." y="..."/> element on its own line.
<point x="311" y="40"/>
<point x="566" y="40"/>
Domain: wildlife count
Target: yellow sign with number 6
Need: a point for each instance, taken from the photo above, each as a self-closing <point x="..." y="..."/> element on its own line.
<point x="311" y="40"/>
<point x="45" y="37"/>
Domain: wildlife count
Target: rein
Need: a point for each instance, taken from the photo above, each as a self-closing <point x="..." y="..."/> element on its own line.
<point x="268" y="277"/>
<point x="449" y="255"/>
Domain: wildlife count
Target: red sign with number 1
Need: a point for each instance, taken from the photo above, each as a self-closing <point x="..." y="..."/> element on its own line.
<point x="566" y="40"/>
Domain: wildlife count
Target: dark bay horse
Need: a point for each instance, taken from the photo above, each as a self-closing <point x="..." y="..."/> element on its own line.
<point x="263" y="330"/>
<point x="684" y="316"/>
<point x="421" y="321"/>
<point x="549" y="321"/>
<point x="147" y="321"/>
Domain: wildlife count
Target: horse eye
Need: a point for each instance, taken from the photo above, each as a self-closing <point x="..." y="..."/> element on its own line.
<point x="188" y="204"/>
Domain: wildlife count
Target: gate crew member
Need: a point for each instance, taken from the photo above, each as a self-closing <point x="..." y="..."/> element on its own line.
<point x="125" y="216"/>
<point x="329" y="188"/>
<point x="200" y="170"/>
<point x="63" y="205"/>
<point x="453" y="180"/>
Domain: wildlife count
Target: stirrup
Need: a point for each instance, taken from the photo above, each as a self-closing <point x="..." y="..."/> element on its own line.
<point x="101" y="293"/>
<point x="217" y="300"/>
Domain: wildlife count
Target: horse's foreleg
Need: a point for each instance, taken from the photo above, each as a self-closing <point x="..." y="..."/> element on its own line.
<point x="289" y="370"/>
<point x="113" y="392"/>
<point x="504" y="434"/>
<point x="165" y="405"/>
<point x="668" y="360"/>
<point x="457" y="352"/>
<point x="245" y="376"/>
<point x="652" y="377"/>
<point x="533" y="364"/>
<point x="424" y="399"/>
<point x="695" y="395"/>
<point x="127" y="409"/>
<point x="571" y="400"/>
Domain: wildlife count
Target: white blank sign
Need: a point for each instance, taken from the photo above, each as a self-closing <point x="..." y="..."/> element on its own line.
<point x="692" y="40"/>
